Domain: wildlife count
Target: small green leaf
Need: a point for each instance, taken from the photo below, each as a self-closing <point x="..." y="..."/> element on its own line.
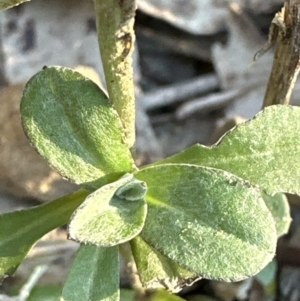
<point x="107" y="218"/>
<point x="207" y="221"/>
<point x="163" y="295"/>
<point x="4" y="4"/>
<point x="94" y="275"/>
<point x="268" y="273"/>
<point x="127" y="295"/>
<point x="21" y="229"/>
<point x="264" y="150"/>
<point x="45" y="293"/>
<point x="133" y="190"/>
<point x="157" y="271"/>
<point x="74" y="127"/>
<point x="280" y="209"/>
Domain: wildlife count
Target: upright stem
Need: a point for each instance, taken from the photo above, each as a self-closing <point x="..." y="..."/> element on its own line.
<point x="115" y="19"/>
<point x="286" y="65"/>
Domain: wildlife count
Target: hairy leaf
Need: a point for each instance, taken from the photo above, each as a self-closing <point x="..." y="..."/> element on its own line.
<point x="4" y="4"/>
<point x="94" y="275"/>
<point x="207" y="221"/>
<point x="74" y="127"/>
<point x="21" y="229"/>
<point x="156" y="270"/>
<point x="264" y="150"/>
<point x="111" y="215"/>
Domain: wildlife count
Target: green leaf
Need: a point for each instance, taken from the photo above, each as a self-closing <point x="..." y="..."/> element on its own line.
<point x="94" y="275"/>
<point x="4" y="4"/>
<point x="157" y="271"/>
<point x="163" y="295"/>
<point x="264" y="150"/>
<point x="127" y="295"/>
<point x="21" y="229"/>
<point x="207" y="221"/>
<point x="267" y="278"/>
<point x="280" y="209"/>
<point x="268" y="274"/>
<point x="130" y="189"/>
<point x="107" y="217"/>
<point x="45" y="293"/>
<point x="74" y="127"/>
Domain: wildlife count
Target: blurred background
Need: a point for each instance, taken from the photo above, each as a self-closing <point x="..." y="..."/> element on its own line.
<point x="195" y="79"/>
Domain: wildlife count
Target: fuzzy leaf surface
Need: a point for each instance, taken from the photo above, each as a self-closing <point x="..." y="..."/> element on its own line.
<point x="73" y="125"/>
<point x="94" y="275"/>
<point x="264" y="151"/>
<point x="280" y="210"/>
<point x="208" y="221"/>
<point x="21" y="229"/>
<point x="4" y="4"/>
<point x="106" y="218"/>
<point x="156" y="270"/>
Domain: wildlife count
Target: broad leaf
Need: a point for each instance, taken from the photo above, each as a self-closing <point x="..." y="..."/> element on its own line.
<point x="280" y="210"/>
<point x="157" y="271"/>
<point x="207" y="221"/>
<point x="4" y="4"/>
<point x="21" y="229"/>
<point x="264" y="151"/>
<point x="73" y="125"/>
<point x="94" y="275"/>
<point x="111" y="215"/>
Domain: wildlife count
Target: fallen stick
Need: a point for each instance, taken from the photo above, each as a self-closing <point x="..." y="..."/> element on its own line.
<point x="206" y="103"/>
<point x="178" y="92"/>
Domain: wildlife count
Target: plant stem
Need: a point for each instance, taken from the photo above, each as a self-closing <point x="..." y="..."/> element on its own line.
<point x="285" y="29"/>
<point x="115" y="19"/>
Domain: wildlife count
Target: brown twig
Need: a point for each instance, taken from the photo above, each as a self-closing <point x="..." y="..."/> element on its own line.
<point x="285" y="29"/>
